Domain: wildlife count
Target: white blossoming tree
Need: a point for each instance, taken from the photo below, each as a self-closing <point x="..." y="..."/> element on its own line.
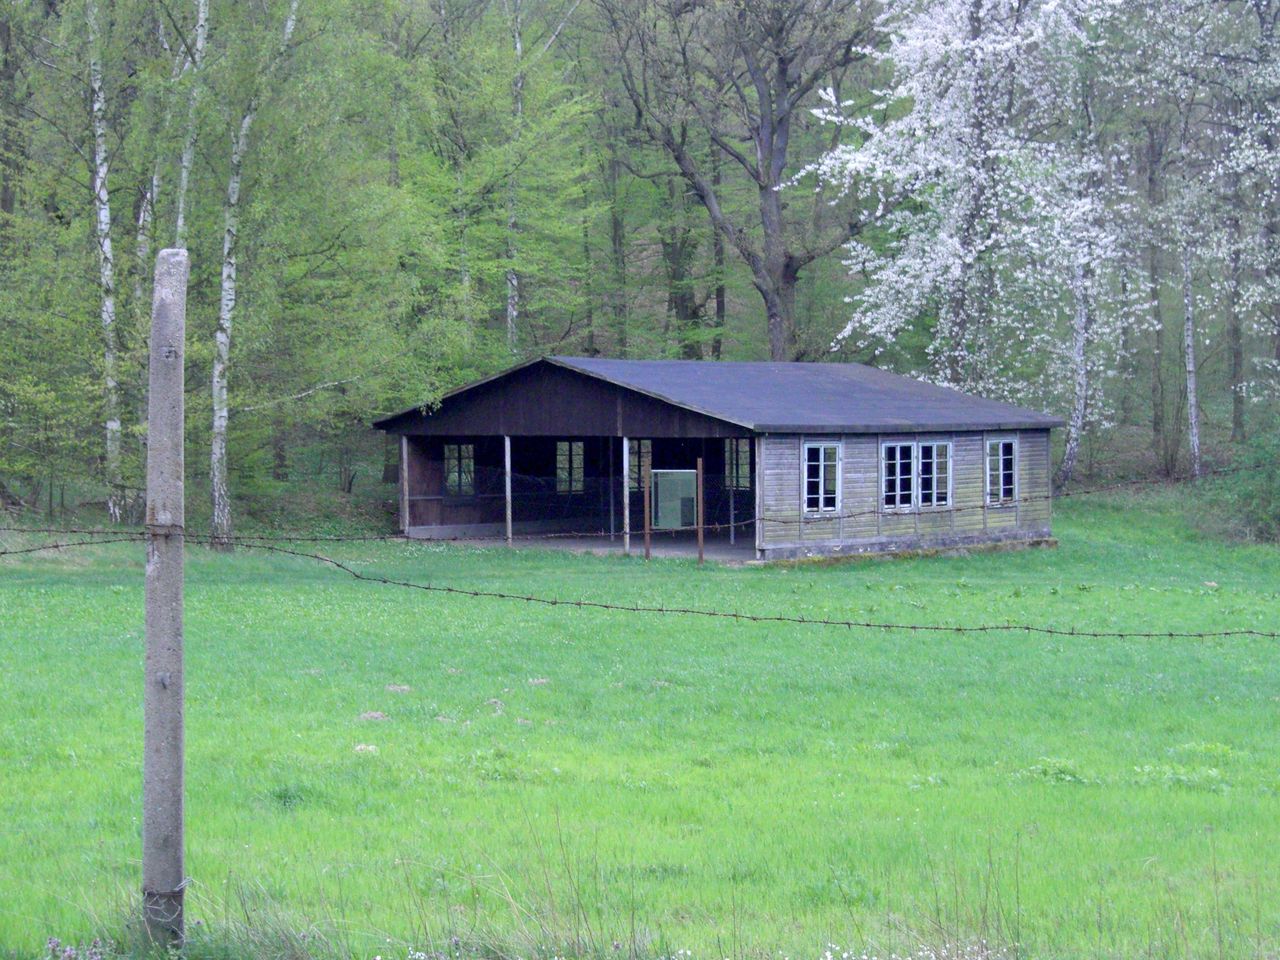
<point x="1006" y="244"/>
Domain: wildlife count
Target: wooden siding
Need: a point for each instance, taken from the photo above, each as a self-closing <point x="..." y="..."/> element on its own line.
<point x="861" y="520"/>
<point x="544" y="400"/>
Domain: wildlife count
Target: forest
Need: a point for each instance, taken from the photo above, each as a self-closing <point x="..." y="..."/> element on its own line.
<point x="1071" y="204"/>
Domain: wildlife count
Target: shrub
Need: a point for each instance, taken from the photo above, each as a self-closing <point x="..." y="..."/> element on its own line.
<point x="1256" y="488"/>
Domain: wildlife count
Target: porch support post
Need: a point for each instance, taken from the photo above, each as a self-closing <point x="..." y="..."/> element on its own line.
<point x="701" y="550"/>
<point x="404" y="484"/>
<point x="626" y="496"/>
<point x="759" y="482"/>
<point x="646" y="470"/>
<point x="506" y="482"/>
<point x="609" y="454"/>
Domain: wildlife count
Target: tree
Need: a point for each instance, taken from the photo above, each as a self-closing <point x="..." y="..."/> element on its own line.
<point x="742" y="73"/>
<point x="1008" y="252"/>
<point x="101" y="166"/>
<point x="220" y="532"/>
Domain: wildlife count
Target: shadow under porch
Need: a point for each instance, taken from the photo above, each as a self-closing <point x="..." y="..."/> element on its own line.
<point x="583" y="490"/>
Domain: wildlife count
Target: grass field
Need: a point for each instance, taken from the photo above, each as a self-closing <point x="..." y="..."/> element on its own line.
<point x="384" y="769"/>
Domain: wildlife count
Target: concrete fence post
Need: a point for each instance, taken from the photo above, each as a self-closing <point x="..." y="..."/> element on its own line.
<point x="163" y="879"/>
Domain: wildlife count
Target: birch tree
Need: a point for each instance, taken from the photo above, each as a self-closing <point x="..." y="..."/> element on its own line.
<point x="221" y="522"/>
<point x="515" y="13"/>
<point x="1189" y="361"/>
<point x="101" y="166"/>
<point x="195" y="64"/>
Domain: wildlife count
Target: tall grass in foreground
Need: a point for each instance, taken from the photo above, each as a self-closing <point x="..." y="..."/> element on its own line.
<point x="574" y="919"/>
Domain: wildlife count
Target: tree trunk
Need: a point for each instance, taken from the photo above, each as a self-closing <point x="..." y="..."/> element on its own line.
<point x="9" y="113"/>
<point x="106" y="265"/>
<point x="617" y="246"/>
<point x="1083" y="320"/>
<point x="220" y="533"/>
<point x="1235" y="335"/>
<point x="219" y="492"/>
<point x="1166" y="452"/>
<point x="717" y="255"/>
<point x="1189" y="355"/>
<point x="513" y="218"/>
<point x="189" y="140"/>
<point x="778" y="283"/>
<point x="592" y="350"/>
<point x="1128" y="358"/>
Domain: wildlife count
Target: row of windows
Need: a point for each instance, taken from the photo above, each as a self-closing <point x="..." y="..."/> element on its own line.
<point x="460" y="466"/>
<point x="916" y="475"/>
<point x="913" y="476"/>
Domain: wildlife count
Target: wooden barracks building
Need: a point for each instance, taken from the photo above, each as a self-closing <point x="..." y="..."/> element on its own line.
<point x="799" y="459"/>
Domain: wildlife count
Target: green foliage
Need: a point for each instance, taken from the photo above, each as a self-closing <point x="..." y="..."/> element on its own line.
<point x="1255" y="491"/>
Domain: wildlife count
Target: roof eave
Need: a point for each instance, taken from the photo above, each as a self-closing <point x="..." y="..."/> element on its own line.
<point x="382" y="424"/>
<point x="865" y="428"/>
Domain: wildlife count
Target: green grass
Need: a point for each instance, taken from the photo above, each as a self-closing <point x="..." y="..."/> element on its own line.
<point x="565" y="778"/>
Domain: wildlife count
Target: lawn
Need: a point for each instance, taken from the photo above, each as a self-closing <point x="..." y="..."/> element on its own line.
<point x="384" y="769"/>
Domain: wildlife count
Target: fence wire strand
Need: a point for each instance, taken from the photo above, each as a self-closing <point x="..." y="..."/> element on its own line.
<point x="734" y="615"/>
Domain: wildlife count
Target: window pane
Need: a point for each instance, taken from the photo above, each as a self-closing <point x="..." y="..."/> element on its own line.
<point x="450" y="468"/>
<point x="821" y="462"/>
<point x="1001" y="470"/>
<point x="467" y="469"/>
<point x="942" y="473"/>
<point x="562" y="466"/>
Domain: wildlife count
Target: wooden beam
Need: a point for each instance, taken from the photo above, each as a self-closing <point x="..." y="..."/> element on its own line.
<point x="404" y="484"/>
<point x="646" y="480"/>
<point x="759" y="482"/>
<point x="626" y="496"/>
<point x="701" y="551"/>
<point x="506" y="484"/>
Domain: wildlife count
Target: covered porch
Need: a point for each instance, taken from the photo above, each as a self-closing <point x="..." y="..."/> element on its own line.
<point x="588" y="491"/>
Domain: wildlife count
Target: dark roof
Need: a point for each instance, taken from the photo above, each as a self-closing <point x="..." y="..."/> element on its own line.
<point x="794" y="397"/>
<point x="810" y="397"/>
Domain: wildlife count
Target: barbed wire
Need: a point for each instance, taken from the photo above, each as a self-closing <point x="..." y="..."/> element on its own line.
<point x="734" y="615"/>
<point x="769" y="618"/>
<point x="128" y="538"/>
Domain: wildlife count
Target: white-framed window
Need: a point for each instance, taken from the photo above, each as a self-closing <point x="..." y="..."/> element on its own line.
<point x="897" y="475"/>
<point x="639" y="456"/>
<point x="737" y="463"/>
<point x="933" y="475"/>
<point x="569" y="466"/>
<point x="915" y="476"/>
<point x="1002" y="470"/>
<point x="459" y="469"/>
<point x="821" y="466"/>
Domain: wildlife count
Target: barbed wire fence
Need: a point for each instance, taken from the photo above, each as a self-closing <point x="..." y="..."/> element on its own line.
<point x="272" y="544"/>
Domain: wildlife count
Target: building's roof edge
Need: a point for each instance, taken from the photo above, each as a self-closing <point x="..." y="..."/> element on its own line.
<point x="567" y="364"/>
<point x="1021" y="419"/>
<point x="1047" y="423"/>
